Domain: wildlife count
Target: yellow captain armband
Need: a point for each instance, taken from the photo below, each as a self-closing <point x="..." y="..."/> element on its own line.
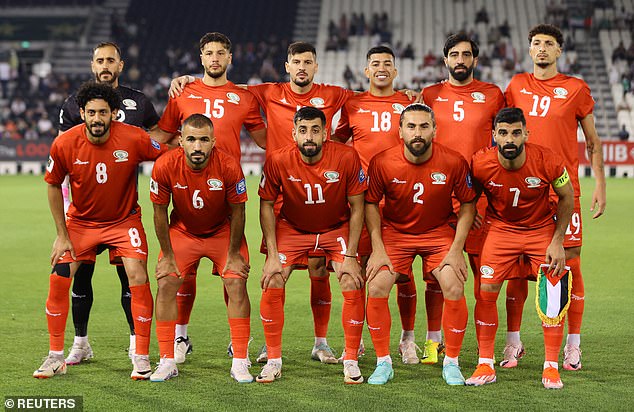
<point x="562" y="180"/>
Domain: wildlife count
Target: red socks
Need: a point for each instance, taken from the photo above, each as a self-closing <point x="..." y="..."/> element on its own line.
<point x="272" y="315"/>
<point x="320" y="303"/>
<point x="142" y="307"/>
<point x="57" y="306"/>
<point x="454" y="322"/>
<point x="185" y="299"/>
<point x="352" y="317"/>
<point x="240" y="333"/>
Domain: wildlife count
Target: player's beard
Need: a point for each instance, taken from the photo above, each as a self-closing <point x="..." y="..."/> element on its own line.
<point x="105" y="127"/>
<point x="310" y="152"/>
<point x="216" y="75"/>
<point x="303" y="83"/>
<point x="462" y="76"/>
<point x="420" y="151"/>
<point x="513" y="152"/>
<point x="113" y="77"/>
<point x="543" y="65"/>
<point x="197" y="161"/>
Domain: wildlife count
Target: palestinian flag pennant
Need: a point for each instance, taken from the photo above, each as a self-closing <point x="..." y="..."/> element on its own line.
<point x="553" y="295"/>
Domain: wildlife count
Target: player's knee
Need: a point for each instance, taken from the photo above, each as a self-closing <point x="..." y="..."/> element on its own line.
<point x="169" y="284"/>
<point x="490" y="290"/>
<point x="236" y="288"/>
<point x="61" y="269"/>
<point x="317" y="267"/>
<point x="379" y="286"/>
<point x="276" y="282"/>
<point x="454" y="290"/>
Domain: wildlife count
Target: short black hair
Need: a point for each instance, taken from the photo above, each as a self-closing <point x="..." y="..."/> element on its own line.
<point x="509" y="115"/>
<point x="309" y="113"/>
<point x="92" y="90"/>
<point x="379" y="49"/>
<point x="107" y="44"/>
<point x="300" y="47"/>
<point x="417" y="107"/>
<point x="215" y="37"/>
<point x="459" y="38"/>
<point x="198" y="121"/>
<point x="547" y="29"/>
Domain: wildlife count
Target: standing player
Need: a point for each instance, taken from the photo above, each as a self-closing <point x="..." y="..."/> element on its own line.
<point x="322" y="185"/>
<point x="230" y="107"/>
<point x="208" y="191"/>
<point x="101" y="157"/>
<point x="136" y="109"/>
<point x="417" y="181"/>
<point x="516" y="177"/>
<point x="464" y="108"/>
<point x="555" y="104"/>
<point x="370" y="119"/>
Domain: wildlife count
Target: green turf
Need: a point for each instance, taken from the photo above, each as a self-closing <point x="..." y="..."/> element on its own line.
<point x="205" y="384"/>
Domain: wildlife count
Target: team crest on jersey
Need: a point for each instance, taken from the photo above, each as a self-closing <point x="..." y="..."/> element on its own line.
<point x="282" y="257"/>
<point x="362" y="176"/>
<point x="214" y="184"/>
<point x="50" y="164"/>
<point x="120" y="155"/>
<point x="487" y="271"/>
<point x="233" y="98"/>
<point x="129" y="104"/>
<point x="532" y="181"/>
<point x="478" y="97"/>
<point x="317" y="102"/>
<point x="331" y="176"/>
<point x="560" y="93"/>
<point x="155" y="144"/>
<point x="241" y="186"/>
<point x="398" y="108"/>
<point x="154" y="186"/>
<point x="438" y="178"/>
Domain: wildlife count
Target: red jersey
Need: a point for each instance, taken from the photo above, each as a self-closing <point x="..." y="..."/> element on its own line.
<point x="519" y="198"/>
<point x="314" y="196"/>
<point x="200" y="197"/>
<point x="418" y="196"/>
<point x="280" y="103"/>
<point x="553" y="109"/>
<point x="464" y="114"/>
<point x="103" y="178"/>
<point x="373" y="122"/>
<point x="228" y="106"/>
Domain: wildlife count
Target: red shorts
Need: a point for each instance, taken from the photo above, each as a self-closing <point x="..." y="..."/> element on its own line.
<point x="574" y="232"/>
<point x="295" y="247"/>
<point x="124" y="239"/>
<point x="475" y="238"/>
<point x="432" y="246"/>
<point x="189" y="249"/>
<point x="365" y="243"/>
<point x="504" y="246"/>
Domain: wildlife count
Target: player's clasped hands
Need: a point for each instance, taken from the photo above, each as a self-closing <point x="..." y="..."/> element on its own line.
<point x="61" y="245"/>
<point x="166" y="266"/>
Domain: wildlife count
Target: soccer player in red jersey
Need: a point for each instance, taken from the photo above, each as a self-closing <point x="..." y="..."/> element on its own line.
<point x="417" y="181"/>
<point x="230" y="107"/>
<point x="555" y="105"/>
<point x="208" y="191"/>
<point x="521" y="220"/>
<point x="370" y="120"/>
<point x="464" y="108"/>
<point x="322" y="186"/>
<point x="101" y="157"/>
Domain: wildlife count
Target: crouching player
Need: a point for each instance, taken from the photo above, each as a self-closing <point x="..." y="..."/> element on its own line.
<point x="516" y="178"/>
<point x="208" y="192"/>
<point x="417" y="181"/>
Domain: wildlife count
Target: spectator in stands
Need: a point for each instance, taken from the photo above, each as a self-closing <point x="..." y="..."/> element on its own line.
<point x="482" y="16"/>
<point x="408" y="52"/>
<point x="349" y="77"/>
<point x="620" y="53"/>
<point x="624" y="135"/>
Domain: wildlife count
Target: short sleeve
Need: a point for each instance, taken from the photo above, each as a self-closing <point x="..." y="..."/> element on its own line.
<point x="170" y="121"/>
<point x="269" y="182"/>
<point x="463" y="187"/>
<point x="376" y="186"/>
<point x="150" y="117"/>
<point x="56" y="171"/>
<point x="343" y="130"/>
<point x="357" y="181"/>
<point x="586" y="102"/>
<point x="69" y="114"/>
<point x="254" y="120"/>
<point x="160" y="187"/>
<point x="235" y="182"/>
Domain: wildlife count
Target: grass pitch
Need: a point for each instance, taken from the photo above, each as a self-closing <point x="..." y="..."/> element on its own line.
<point x="604" y="383"/>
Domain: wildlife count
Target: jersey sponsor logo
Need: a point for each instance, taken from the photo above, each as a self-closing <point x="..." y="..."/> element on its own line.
<point x="140" y="251"/>
<point x="362" y="176"/>
<point x="233" y="98"/>
<point x="454" y="330"/>
<point x="214" y="184"/>
<point x="120" y="155"/>
<point x="560" y="93"/>
<point x="373" y="328"/>
<point x="398" y="108"/>
<point x="80" y="162"/>
<point x="438" y="178"/>
<point x="493" y="184"/>
<point x="143" y="319"/>
<point x="183" y="294"/>
<point x="399" y="182"/>
<point x="317" y="102"/>
<point x="562" y="180"/>
<point x="263" y="319"/>
<point x="50" y="164"/>
<point x="532" y="181"/>
<point x="363" y="110"/>
<point x="179" y="186"/>
<point x="293" y="179"/>
<point x="481" y="323"/>
<point x="331" y="176"/>
<point x="155" y="144"/>
<point x="487" y="272"/>
<point x="193" y="96"/>
<point x="524" y="91"/>
<point x="283" y="100"/>
<point x="241" y="187"/>
<point x="573" y="237"/>
<point x="154" y="187"/>
<point x="49" y="313"/>
<point x="355" y="322"/>
<point x="129" y="104"/>
<point x="478" y="97"/>
<point x="74" y="295"/>
<point x="440" y="99"/>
